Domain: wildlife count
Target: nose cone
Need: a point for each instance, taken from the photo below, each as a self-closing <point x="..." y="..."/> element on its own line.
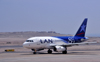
<point x="25" y="45"/>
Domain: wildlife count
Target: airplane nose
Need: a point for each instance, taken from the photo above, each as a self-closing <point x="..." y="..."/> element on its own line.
<point x="25" y="44"/>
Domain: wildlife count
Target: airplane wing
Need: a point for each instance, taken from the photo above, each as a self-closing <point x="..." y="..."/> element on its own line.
<point x="72" y="44"/>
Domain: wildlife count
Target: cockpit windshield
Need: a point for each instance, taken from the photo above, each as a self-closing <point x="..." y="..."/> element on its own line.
<point x="29" y="40"/>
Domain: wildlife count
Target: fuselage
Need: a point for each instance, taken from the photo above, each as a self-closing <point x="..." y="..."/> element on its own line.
<point x="45" y="42"/>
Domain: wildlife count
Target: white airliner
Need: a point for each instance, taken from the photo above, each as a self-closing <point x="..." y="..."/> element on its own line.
<point x="58" y="44"/>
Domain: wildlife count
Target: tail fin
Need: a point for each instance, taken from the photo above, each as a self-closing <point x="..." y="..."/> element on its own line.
<point x="81" y="31"/>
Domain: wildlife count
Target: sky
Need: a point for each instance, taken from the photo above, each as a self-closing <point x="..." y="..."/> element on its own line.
<point x="61" y="16"/>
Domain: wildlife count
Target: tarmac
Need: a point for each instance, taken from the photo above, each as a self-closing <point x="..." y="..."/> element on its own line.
<point x="84" y="53"/>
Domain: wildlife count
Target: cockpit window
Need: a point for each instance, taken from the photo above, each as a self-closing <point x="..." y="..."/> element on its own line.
<point x="29" y="40"/>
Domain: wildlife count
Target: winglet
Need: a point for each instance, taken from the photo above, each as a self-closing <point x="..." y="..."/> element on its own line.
<point x="81" y="31"/>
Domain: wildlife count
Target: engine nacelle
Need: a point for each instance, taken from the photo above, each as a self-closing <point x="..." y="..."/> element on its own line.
<point x="59" y="48"/>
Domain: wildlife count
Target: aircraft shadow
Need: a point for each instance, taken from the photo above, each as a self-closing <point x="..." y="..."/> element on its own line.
<point x="54" y="53"/>
<point x="69" y="53"/>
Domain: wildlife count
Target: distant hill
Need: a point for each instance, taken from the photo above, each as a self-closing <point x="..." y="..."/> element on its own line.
<point x="28" y="34"/>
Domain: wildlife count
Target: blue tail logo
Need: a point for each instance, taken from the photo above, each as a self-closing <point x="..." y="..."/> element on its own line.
<point x="82" y="29"/>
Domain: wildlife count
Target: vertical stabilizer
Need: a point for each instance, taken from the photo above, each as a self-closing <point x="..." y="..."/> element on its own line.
<point x="81" y="31"/>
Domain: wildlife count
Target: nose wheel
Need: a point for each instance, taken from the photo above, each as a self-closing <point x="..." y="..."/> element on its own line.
<point x="34" y="51"/>
<point x="49" y="51"/>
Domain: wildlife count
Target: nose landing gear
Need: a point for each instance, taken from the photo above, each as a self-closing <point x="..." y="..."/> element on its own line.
<point x="49" y="51"/>
<point x="34" y="51"/>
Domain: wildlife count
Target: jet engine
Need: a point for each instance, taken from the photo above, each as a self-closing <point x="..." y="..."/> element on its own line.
<point x="59" y="48"/>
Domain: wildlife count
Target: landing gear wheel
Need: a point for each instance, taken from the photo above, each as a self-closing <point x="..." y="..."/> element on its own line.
<point x="64" y="52"/>
<point x="49" y="51"/>
<point x="32" y="49"/>
<point x="34" y="52"/>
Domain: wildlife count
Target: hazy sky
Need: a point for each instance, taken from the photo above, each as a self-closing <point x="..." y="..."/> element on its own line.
<point x="62" y="16"/>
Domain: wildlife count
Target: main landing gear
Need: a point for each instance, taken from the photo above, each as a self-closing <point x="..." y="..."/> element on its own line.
<point x="49" y="51"/>
<point x="64" y="52"/>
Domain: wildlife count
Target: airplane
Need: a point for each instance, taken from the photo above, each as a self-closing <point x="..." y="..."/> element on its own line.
<point x="57" y="43"/>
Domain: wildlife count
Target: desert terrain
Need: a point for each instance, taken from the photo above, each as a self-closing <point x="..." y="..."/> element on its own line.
<point x="14" y="40"/>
